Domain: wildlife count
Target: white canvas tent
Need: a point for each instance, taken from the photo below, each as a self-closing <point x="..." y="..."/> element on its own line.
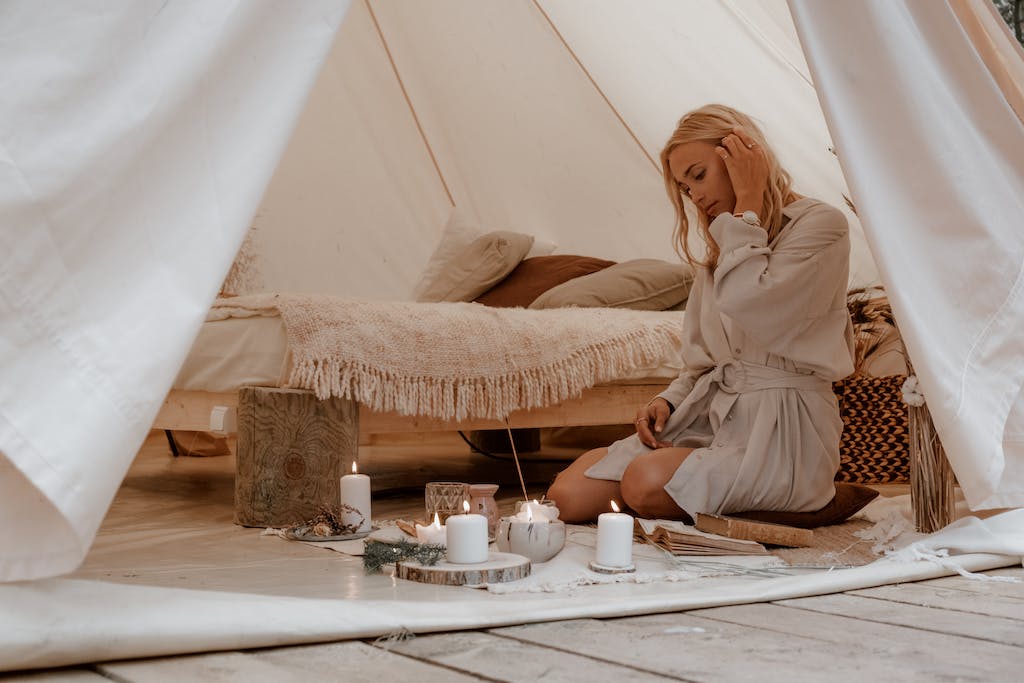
<point x="545" y="118"/>
<point x="138" y="138"/>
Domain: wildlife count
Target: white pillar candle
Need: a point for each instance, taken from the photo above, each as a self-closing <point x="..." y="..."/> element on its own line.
<point x="355" y="492"/>
<point x="432" y="533"/>
<point x="614" y="539"/>
<point x="466" y="537"/>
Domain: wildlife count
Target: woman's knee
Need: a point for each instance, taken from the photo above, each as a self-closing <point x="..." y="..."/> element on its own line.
<point x="641" y="489"/>
<point x="573" y="492"/>
<point x="644" y="480"/>
<point x="643" y="484"/>
<point x="565" y="492"/>
<point x="560" y="491"/>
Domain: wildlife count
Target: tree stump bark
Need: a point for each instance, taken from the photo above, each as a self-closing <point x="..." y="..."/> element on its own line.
<point x="292" y="451"/>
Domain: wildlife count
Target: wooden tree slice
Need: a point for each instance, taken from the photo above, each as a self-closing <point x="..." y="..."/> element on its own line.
<point x="499" y="568"/>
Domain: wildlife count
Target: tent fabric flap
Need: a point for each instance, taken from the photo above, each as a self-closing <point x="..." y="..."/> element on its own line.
<point x="136" y="140"/>
<point x="934" y="155"/>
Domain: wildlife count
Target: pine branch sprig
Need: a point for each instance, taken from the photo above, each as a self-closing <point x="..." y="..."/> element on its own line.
<point x="376" y="554"/>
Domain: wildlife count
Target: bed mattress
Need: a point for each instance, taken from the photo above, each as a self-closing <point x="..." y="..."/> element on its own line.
<point x="235" y="352"/>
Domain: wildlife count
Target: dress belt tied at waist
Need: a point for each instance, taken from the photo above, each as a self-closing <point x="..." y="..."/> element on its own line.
<point x="737" y="376"/>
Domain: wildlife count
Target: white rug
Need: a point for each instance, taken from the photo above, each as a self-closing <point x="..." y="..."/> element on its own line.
<point x="569" y="569"/>
<point x="67" y="621"/>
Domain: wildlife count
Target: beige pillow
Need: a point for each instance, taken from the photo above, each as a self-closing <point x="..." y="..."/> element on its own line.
<point x="479" y="266"/>
<point x="459" y="232"/>
<point x="643" y="284"/>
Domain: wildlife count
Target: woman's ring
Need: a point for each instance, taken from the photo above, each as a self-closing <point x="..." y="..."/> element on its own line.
<point x="751" y="145"/>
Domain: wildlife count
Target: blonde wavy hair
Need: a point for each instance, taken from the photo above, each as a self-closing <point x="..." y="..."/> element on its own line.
<point x="711" y="123"/>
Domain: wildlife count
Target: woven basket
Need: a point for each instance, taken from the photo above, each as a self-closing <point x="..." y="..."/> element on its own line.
<point x="884" y="440"/>
<point x="875" y="446"/>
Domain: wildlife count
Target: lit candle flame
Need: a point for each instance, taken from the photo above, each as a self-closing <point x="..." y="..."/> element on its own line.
<point x="536" y="502"/>
<point x="437" y="521"/>
<point x="615" y="508"/>
<point x="465" y="506"/>
<point x="355" y="469"/>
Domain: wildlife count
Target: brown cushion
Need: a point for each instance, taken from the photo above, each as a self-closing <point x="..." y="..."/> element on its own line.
<point x="642" y="284"/>
<point x="536" y="275"/>
<point x="479" y="266"/>
<point x="849" y="499"/>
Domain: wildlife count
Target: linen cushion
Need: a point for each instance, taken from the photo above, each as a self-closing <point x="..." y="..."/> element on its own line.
<point x="459" y="232"/>
<point x="849" y="499"/>
<point x="534" y="276"/>
<point x="643" y="284"/>
<point x="478" y="266"/>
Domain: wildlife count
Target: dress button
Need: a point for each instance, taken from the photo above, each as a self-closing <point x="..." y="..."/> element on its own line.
<point x="736" y="351"/>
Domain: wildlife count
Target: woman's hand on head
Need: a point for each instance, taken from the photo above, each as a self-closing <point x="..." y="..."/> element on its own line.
<point x="748" y="170"/>
<point x="650" y="420"/>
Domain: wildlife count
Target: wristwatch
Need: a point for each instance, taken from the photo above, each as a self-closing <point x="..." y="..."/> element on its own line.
<point x="749" y="217"/>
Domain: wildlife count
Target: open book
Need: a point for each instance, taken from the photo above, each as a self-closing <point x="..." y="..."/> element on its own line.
<point x="682" y="539"/>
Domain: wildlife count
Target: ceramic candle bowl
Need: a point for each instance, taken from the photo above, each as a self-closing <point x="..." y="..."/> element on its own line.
<point x="538" y="541"/>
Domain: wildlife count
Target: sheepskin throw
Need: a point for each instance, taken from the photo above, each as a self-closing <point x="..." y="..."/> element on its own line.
<point x="457" y="360"/>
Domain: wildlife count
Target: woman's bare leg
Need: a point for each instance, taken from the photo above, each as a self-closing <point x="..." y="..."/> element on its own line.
<point x="643" y="483"/>
<point x="580" y="498"/>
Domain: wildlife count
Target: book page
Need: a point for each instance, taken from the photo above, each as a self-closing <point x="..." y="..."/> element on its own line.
<point x="650" y="526"/>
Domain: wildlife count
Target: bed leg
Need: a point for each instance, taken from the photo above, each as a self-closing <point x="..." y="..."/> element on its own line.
<point x="170" y="442"/>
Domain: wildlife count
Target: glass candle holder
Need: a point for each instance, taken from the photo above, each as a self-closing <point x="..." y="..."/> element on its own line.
<point x="445" y="498"/>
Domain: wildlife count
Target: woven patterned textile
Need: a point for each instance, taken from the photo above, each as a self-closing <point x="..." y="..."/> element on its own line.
<point x="875" y="446"/>
<point x="457" y="360"/>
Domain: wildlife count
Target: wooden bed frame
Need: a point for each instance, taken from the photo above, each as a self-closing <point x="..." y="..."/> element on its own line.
<point x="292" y="448"/>
<point x="600" y="405"/>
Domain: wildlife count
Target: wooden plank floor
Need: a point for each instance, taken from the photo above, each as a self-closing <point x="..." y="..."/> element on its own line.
<point x="948" y="629"/>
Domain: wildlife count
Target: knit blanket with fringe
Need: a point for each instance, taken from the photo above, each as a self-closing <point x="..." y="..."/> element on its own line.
<point x="457" y="360"/>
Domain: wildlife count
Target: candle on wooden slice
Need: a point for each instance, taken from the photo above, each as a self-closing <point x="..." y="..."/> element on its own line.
<point x="355" y="493"/>
<point x="466" y="537"/>
<point x="614" y="541"/>
<point x="432" y="533"/>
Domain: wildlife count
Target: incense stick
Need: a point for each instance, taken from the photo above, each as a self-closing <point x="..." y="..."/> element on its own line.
<point x="515" y="457"/>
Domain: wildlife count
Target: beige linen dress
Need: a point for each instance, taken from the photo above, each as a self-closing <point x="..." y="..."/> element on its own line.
<point x="765" y="335"/>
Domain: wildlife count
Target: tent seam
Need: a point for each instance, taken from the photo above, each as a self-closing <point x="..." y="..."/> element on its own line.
<point x="590" y="77"/>
<point x="408" y="101"/>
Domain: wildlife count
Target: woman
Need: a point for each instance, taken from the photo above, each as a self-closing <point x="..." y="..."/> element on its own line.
<point x="751" y="423"/>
